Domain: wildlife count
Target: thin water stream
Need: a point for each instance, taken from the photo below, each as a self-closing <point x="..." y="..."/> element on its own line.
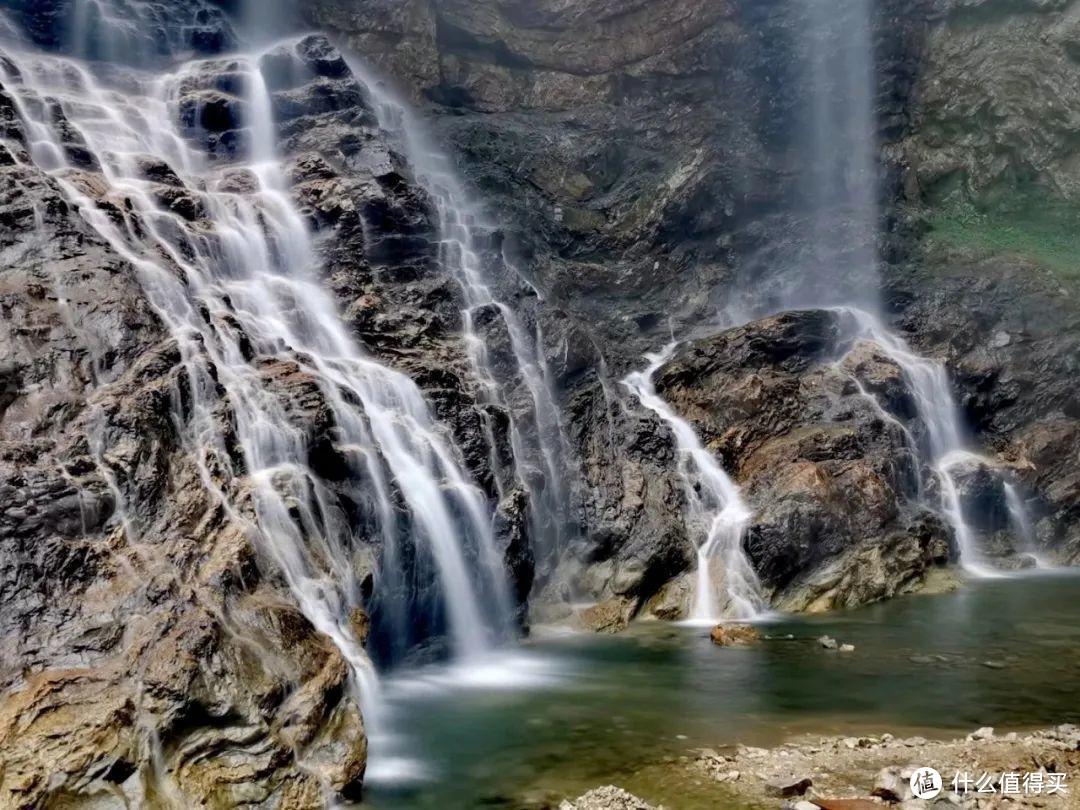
<point x="716" y="515"/>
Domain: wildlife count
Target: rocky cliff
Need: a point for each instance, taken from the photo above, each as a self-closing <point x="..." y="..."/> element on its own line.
<point x="643" y="162"/>
<point x="988" y="279"/>
<point x="143" y="628"/>
<point x="637" y="159"/>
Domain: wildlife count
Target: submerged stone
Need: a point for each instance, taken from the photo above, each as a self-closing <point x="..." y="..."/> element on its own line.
<point x="730" y="635"/>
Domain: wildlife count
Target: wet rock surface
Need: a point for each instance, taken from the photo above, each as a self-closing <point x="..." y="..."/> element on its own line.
<point x="665" y="177"/>
<point x="647" y="234"/>
<point x="1014" y="393"/>
<point x="636" y="184"/>
<point x="639" y="236"/>
<point x="833" y="483"/>
<point x="140" y="628"/>
<point x="731" y="635"/>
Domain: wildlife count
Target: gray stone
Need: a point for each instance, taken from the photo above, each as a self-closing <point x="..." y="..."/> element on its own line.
<point x="890" y="785"/>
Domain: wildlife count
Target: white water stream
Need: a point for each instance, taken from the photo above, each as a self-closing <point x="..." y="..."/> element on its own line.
<point x="946" y="446"/>
<point x="716" y="515"/>
<point x="543" y="463"/>
<point x="840" y="190"/>
<point x="240" y="292"/>
<point x="835" y="267"/>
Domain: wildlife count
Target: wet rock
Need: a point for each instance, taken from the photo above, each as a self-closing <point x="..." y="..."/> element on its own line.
<point x="608" y="617"/>
<point x="181" y="202"/>
<point x="157" y="170"/>
<point x="837" y="519"/>
<point x="828" y="642"/>
<point x="511" y="529"/>
<point x="847" y="648"/>
<point x="672" y="602"/>
<point x="787" y="787"/>
<point x="733" y="635"/>
<point x="628" y="240"/>
<point x="105" y="511"/>
<point x="982" y="494"/>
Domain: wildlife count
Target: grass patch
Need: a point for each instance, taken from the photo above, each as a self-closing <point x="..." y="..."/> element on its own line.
<point x="1045" y="232"/>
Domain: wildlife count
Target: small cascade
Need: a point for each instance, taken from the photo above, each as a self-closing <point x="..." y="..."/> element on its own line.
<point x="489" y="281"/>
<point x="239" y="292"/>
<point x="144" y="31"/>
<point x="716" y="515"/>
<point x="946" y="446"/>
<point x="837" y="220"/>
<point x="1020" y="519"/>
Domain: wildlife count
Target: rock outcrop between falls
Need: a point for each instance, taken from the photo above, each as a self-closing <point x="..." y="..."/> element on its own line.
<point x="833" y="479"/>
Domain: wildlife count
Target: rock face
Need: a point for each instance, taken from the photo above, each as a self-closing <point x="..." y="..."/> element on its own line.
<point x="639" y="157"/>
<point x="642" y="161"/>
<point x="628" y="143"/>
<point x="117" y="563"/>
<point x="149" y="650"/>
<point x="987" y="271"/>
<point x="998" y="99"/>
<point x="832" y="481"/>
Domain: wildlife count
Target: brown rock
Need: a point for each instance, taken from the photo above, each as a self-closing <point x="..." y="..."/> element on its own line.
<point x="611" y="616"/>
<point x="731" y="635"/>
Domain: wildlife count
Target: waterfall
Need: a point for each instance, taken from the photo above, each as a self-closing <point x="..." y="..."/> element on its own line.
<point x="715" y="513"/>
<point x="143" y="31"/>
<point x="946" y="446"/>
<point x="1021" y="523"/>
<point x="489" y="283"/>
<point x="239" y="292"/>
<point x="839" y="191"/>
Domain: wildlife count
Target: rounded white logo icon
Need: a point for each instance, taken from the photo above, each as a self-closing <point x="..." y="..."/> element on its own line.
<point x="925" y="783"/>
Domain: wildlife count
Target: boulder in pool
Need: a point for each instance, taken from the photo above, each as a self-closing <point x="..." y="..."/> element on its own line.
<point x="732" y="635"/>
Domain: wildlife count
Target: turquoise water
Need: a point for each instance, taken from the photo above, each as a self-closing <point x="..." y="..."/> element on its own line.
<point x="577" y="711"/>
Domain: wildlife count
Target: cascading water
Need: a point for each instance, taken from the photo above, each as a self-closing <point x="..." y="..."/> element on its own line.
<point x="541" y="452"/>
<point x="143" y="30"/>
<point x="945" y="447"/>
<point x="235" y="283"/>
<point x="715" y="513"/>
<point x="1021" y="523"/>
<point x="838" y="266"/>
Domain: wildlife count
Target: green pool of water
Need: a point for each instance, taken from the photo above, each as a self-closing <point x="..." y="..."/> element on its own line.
<point x="573" y="712"/>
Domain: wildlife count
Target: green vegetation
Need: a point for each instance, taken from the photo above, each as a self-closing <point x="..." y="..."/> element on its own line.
<point x="1032" y="227"/>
